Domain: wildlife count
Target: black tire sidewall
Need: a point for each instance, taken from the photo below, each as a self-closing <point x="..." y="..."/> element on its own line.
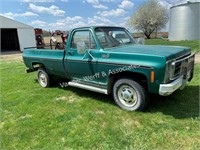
<point x="140" y="91"/>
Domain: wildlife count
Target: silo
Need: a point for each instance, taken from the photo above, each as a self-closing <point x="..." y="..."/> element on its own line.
<point x="185" y="22"/>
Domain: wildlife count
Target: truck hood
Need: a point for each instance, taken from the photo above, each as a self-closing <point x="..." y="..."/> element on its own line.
<point x="169" y="52"/>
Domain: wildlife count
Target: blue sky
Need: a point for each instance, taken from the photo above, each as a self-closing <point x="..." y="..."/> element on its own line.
<point x="67" y="14"/>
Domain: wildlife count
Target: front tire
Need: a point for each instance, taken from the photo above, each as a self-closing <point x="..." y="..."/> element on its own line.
<point x="43" y="78"/>
<point x="129" y="95"/>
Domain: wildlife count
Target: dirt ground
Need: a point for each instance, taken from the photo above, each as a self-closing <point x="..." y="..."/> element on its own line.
<point x="197" y="58"/>
<point x="9" y="56"/>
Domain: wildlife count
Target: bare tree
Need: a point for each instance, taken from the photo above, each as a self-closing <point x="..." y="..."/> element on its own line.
<point x="150" y="17"/>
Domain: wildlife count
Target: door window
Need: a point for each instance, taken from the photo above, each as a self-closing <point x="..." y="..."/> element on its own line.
<point x="83" y="36"/>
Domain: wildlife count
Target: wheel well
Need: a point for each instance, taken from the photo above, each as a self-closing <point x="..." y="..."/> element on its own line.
<point x="36" y="65"/>
<point x="138" y="77"/>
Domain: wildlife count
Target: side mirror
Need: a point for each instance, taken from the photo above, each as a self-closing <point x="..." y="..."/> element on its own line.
<point x="81" y="47"/>
<point x="141" y="41"/>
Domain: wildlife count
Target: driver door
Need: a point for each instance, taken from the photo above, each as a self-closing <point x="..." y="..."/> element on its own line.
<point x="82" y="66"/>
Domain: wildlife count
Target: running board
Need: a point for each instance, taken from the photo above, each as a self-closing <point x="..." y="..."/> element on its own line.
<point x="88" y="87"/>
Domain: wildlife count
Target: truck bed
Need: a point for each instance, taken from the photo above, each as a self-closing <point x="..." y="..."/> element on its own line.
<point x="52" y="60"/>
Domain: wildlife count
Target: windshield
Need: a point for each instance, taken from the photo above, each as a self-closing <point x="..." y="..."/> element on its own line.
<point x="113" y="36"/>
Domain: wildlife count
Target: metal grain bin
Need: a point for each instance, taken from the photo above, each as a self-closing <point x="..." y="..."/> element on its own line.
<point x="185" y="22"/>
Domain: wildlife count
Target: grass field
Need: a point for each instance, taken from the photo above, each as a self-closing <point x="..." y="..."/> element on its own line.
<point x="54" y="118"/>
<point x="195" y="44"/>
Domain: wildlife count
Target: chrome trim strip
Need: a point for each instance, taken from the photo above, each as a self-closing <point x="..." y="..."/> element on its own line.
<point x="88" y="87"/>
<point x="188" y="54"/>
<point x="110" y="63"/>
<point x="38" y="58"/>
<point x="184" y="58"/>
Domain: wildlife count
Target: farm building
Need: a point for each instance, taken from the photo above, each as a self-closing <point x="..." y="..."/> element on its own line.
<point x="184" y="22"/>
<point x="15" y="36"/>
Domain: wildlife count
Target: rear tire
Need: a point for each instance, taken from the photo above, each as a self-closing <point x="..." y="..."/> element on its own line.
<point x="129" y="95"/>
<point x="43" y="78"/>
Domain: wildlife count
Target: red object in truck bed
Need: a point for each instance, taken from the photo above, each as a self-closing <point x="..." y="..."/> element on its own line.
<point x="38" y="31"/>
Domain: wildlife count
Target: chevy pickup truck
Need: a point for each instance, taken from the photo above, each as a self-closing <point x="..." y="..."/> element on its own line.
<point x="109" y="60"/>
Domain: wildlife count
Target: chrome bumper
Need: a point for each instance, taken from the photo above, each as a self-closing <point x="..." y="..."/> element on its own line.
<point x="182" y="71"/>
<point x="167" y="89"/>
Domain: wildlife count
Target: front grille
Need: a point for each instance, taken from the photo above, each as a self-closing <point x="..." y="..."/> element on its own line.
<point x="181" y="66"/>
<point x="177" y="70"/>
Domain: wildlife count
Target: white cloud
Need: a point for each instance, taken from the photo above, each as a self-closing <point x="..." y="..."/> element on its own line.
<point x="107" y="0"/>
<point x="54" y="10"/>
<point x="39" y="23"/>
<point x="64" y="0"/>
<point x="8" y="15"/>
<point x="126" y="4"/>
<point x="13" y="15"/>
<point x="92" y="1"/>
<point x="112" y="13"/>
<point x="97" y="20"/>
<point x="73" y="19"/>
<point x="124" y="22"/>
<point x="68" y="23"/>
<point x="37" y="1"/>
<point x="165" y="4"/>
<point x="100" y="6"/>
<point x="126" y="18"/>
<point x="96" y="4"/>
<point x="27" y="14"/>
<point x="78" y="21"/>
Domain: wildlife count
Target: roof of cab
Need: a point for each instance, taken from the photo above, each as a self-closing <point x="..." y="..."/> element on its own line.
<point x="93" y="27"/>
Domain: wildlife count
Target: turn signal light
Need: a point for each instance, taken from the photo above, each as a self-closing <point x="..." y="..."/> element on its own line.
<point x="152" y="76"/>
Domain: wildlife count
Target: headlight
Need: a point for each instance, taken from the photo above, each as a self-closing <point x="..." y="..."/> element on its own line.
<point x="179" y="67"/>
<point x="168" y="71"/>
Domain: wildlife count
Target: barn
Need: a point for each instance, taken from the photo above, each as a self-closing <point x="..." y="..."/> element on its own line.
<point x="15" y="36"/>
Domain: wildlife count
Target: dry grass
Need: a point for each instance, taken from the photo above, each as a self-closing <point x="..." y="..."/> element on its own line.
<point x="197" y="58"/>
<point x="6" y="56"/>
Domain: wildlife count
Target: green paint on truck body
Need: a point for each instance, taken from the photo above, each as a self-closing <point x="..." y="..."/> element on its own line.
<point x="107" y="61"/>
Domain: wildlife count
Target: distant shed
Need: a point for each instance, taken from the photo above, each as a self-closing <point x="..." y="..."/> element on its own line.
<point x="185" y="22"/>
<point x="15" y="36"/>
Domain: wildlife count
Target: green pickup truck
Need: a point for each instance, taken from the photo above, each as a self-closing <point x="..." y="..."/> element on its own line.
<point x="108" y="60"/>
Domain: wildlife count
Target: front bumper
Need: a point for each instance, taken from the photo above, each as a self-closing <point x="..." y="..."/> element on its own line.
<point x="167" y="89"/>
<point x="182" y="71"/>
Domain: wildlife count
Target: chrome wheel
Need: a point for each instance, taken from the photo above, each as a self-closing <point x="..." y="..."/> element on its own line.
<point x="42" y="79"/>
<point x="127" y="95"/>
